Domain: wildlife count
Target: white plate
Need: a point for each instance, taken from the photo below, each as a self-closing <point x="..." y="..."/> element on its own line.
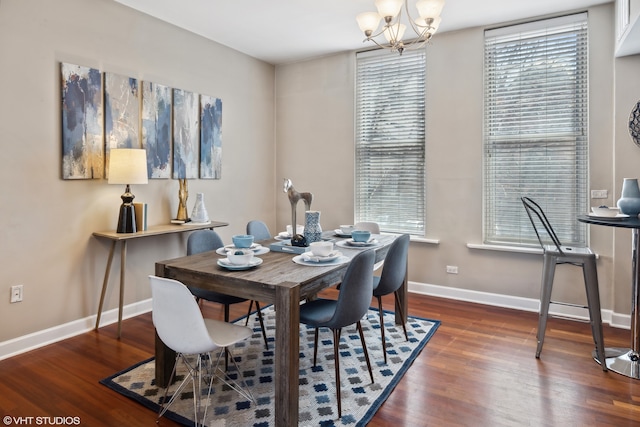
<point x="260" y="250"/>
<point x="310" y="257"/>
<point x="350" y="243"/>
<point x="339" y="233"/>
<point x="254" y="247"/>
<point x="298" y="259"/>
<point x="224" y="262"/>
<point x="612" y="218"/>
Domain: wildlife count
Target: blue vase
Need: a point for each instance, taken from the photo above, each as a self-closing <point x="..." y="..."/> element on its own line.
<point x="312" y="229"/>
<point x="629" y="202"/>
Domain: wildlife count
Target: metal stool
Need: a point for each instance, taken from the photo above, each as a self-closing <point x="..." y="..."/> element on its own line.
<point x="558" y="254"/>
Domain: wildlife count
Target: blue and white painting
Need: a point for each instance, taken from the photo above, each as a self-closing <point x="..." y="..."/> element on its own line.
<point x="210" y="137"/>
<point x="82" y="137"/>
<point x="186" y="134"/>
<point x="156" y="129"/>
<point x="121" y="112"/>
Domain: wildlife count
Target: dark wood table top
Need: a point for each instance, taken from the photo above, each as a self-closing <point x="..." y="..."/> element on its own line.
<point x="631" y="222"/>
<point x="259" y="283"/>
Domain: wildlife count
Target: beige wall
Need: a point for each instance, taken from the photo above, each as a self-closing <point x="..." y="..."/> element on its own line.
<point x="46" y="222"/>
<point x="46" y="226"/>
<point x="310" y="117"/>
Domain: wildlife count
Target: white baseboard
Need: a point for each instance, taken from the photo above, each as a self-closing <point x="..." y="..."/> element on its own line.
<point x="58" y="333"/>
<point x="38" y="339"/>
<point x="518" y="303"/>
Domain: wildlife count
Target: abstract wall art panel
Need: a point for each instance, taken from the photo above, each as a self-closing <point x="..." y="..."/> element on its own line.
<point x="82" y="137"/>
<point x="156" y="128"/>
<point x="121" y="112"/>
<point x="210" y="137"/>
<point x="186" y="134"/>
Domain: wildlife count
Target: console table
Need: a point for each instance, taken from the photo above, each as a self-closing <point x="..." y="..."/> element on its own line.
<point x="123" y="238"/>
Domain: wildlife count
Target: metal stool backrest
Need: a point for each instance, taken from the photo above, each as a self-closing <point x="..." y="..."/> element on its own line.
<point x="535" y="211"/>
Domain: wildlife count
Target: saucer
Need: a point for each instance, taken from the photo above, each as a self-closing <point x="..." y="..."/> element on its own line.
<point x="618" y="217"/>
<point x="259" y="250"/>
<point x="370" y="242"/>
<point x="299" y="259"/>
<point x="254" y="247"/>
<point x="310" y="257"/>
<point x="339" y="233"/>
<point x="224" y="262"/>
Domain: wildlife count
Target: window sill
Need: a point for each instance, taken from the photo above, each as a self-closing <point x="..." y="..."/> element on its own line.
<point x="425" y="240"/>
<point x="512" y="249"/>
<point x="516" y="249"/>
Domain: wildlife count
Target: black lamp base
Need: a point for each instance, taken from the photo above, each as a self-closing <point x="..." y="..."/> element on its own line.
<point x="127" y="217"/>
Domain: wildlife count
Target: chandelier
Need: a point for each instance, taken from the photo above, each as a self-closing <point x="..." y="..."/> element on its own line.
<point x="390" y="11"/>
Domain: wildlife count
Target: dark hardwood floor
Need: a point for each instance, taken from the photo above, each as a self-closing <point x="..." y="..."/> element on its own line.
<point x="478" y="369"/>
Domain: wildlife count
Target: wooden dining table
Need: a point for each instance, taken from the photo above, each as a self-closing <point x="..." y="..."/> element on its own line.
<point x="280" y="281"/>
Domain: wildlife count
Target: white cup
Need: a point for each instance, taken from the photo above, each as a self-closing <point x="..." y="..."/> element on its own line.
<point x="346" y="229"/>
<point x="321" y="248"/>
<point x="299" y="229"/>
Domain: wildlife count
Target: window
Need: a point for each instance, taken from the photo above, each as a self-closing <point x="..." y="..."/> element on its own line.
<point x="390" y="140"/>
<point x="535" y="129"/>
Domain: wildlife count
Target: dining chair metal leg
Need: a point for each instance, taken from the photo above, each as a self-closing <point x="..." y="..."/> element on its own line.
<point x="364" y="349"/>
<point x="246" y="321"/>
<point x="381" y="315"/>
<point x="261" y="320"/>
<point x="315" y="347"/>
<point x="399" y="308"/>
<point x="548" y="271"/>
<point x="593" y="301"/>
<point x="336" y="358"/>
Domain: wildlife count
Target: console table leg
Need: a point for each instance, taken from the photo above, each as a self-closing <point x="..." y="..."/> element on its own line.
<point x="105" y="282"/>
<point x="123" y="265"/>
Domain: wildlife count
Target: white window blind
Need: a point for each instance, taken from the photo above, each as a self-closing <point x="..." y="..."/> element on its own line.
<point x="536" y="130"/>
<point x="390" y="140"/>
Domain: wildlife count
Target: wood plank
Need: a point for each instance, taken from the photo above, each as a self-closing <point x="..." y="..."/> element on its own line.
<point x="478" y="369"/>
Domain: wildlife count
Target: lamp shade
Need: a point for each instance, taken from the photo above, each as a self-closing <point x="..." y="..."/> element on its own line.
<point x="389" y="8"/>
<point x="368" y="21"/>
<point x="128" y="166"/>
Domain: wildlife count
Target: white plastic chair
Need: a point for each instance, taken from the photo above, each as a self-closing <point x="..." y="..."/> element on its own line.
<point x="181" y="327"/>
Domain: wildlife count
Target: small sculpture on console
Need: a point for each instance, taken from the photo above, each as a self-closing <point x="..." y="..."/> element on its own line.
<point x="294" y="198"/>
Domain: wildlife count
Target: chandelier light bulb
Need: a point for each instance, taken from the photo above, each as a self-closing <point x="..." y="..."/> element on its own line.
<point x="389" y="8"/>
<point x="429" y="8"/>
<point x="368" y="22"/>
<point x="393" y="30"/>
<point x="394" y="33"/>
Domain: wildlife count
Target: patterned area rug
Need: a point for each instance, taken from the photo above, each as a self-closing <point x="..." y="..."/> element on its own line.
<point x="360" y="398"/>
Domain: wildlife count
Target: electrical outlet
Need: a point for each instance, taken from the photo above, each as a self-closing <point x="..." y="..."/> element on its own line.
<point x="452" y="269"/>
<point x="599" y="194"/>
<point x="16" y="293"/>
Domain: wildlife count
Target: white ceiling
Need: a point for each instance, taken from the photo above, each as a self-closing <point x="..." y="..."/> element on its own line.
<point x="280" y="31"/>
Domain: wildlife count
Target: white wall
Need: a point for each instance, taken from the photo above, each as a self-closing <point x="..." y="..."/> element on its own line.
<point x="46" y="222"/>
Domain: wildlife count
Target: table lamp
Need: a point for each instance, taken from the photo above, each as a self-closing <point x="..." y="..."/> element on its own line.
<point x="127" y="166"/>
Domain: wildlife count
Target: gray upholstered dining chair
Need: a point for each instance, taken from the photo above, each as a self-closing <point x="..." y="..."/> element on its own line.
<point x="554" y="254"/>
<point x="208" y="240"/>
<point x="391" y="279"/>
<point x="351" y="305"/>
<point x="373" y="228"/>
<point x="258" y="230"/>
<point x="181" y="327"/>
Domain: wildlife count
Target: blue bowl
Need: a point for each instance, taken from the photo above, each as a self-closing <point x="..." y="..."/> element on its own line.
<point x="242" y="240"/>
<point x="360" y="235"/>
